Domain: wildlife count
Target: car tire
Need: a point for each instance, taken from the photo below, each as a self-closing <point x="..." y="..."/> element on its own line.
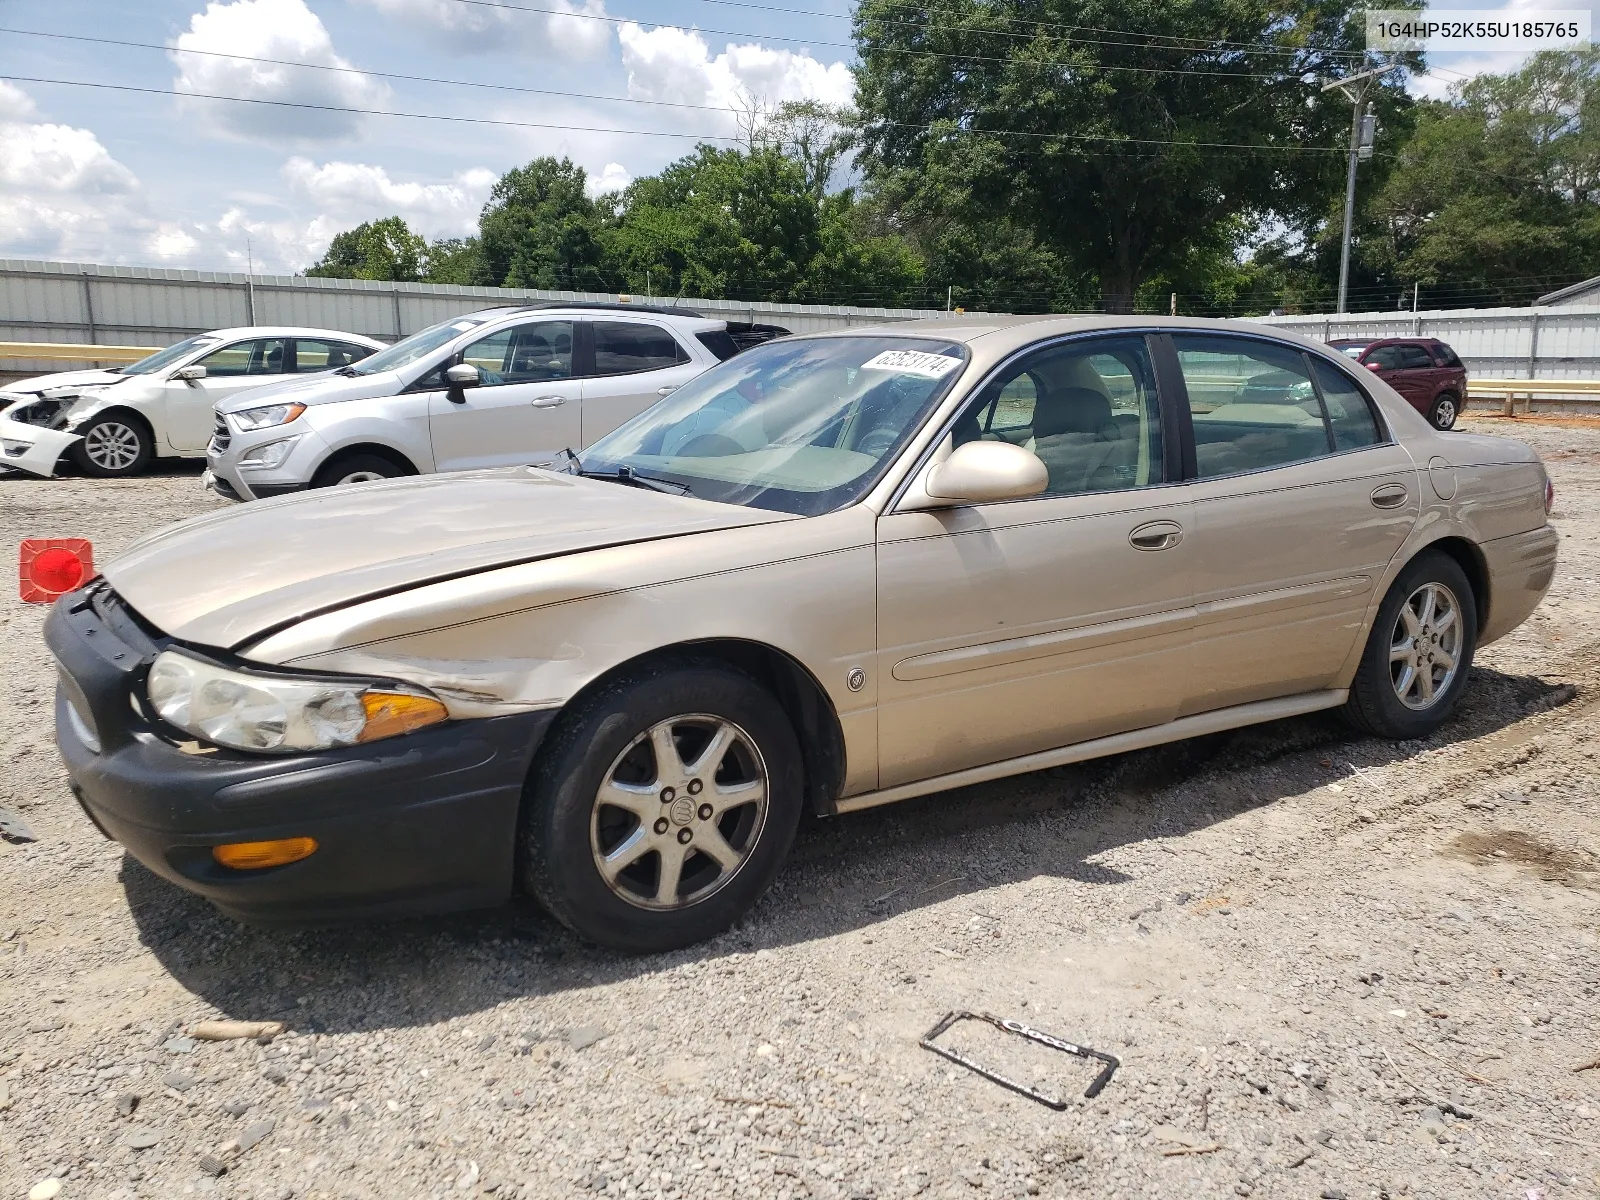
<point x="115" y="445"/>
<point x="1403" y="688"/>
<point x="605" y="823"/>
<point x="357" y="468"/>
<point x="1446" y="408"/>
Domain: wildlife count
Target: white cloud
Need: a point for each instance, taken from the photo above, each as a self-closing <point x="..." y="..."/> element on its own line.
<point x="670" y="64"/>
<point x="277" y="29"/>
<point x="476" y="29"/>
<point x="355" y="192"/>
<point x="62" y="195"/>
<point x="614" y="178"/>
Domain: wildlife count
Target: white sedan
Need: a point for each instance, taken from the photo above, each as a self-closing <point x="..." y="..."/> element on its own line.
<point x="113" y="423"/>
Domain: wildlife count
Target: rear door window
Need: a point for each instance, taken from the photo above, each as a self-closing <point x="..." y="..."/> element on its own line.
<point x="315" y="354"/>
<point x="1446" y="356"/>
<point x="1349" y="415"/>
<point x="1253" y="405"/>
<point x="1414" y="357"/>
<point x="629" y="347"/>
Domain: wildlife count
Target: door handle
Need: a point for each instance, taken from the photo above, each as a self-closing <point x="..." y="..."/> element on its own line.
<point x="1390" y="495"/>
<point x="548" y="401"/>
<point x="1157" y="535"/>
<point x="668" y="390"/>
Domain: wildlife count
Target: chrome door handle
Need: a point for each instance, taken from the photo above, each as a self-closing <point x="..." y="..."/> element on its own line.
<point x="548" y="401"/>
<point x="1390" y="495"/>
<point x="668" y="390"/>
<point x="1157" y="535"/>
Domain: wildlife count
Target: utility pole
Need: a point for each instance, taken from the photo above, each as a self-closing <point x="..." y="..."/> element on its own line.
<point x="1363" y="126"/>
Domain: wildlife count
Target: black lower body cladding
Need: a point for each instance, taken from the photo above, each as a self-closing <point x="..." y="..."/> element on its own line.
<point x="422" y="823"/>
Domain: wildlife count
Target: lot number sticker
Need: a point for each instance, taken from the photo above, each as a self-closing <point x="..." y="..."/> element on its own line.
<point x="913" y="362"/>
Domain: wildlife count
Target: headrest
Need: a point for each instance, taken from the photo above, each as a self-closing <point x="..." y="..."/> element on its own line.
<point x="1070" y="410"/>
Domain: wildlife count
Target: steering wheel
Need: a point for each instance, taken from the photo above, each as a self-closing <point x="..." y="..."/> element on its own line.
<point x="878" y="442"/>
<point x="709" y="445"/>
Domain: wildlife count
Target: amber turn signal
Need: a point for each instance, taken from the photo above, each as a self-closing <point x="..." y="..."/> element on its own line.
<point x="254" y="856"/>
<point x="391" y="713"/>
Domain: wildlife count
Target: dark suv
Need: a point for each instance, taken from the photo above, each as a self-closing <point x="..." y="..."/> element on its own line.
<point x="1423" y="370"/>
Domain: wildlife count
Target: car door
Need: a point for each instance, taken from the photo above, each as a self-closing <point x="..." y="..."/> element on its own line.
<point x="230" y="369"/>
<point x="1405" y="368"/>
<point x="1299" y="506"/>
<point x="1010" y="628"/>
<point x="523" y="410"/>
<point x="634" y="363"/>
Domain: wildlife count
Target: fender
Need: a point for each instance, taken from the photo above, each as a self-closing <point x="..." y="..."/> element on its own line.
<point x="35" y="448"/>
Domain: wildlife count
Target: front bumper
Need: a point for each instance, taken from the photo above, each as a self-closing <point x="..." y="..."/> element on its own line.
<point x="32" y="448"/>
<point x="421" y="823"/>
<point x="294" y="474"/>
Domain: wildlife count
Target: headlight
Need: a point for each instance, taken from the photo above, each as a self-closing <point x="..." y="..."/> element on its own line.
<point x="270" y="455"/>
<point x="247" y="711"/>
<point x="265" y="417"/>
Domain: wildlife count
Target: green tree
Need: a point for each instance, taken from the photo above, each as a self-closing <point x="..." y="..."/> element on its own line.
<point x="539" y="229"/>
<point x="457" y="260"/>
<point x="717" y="223"/>
<point x="1117" y="155"/>
<point x="1496" y="196"/>
<point x="382" y="249"/>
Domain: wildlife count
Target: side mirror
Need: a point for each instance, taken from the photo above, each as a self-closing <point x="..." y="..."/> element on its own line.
<point x="458" y="378"/>
<point x="1372" y="366"/>
<point x="190" y="374"/>
<point x="983" y="472"/>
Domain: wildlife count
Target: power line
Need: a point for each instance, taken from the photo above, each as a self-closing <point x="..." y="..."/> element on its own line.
<point x="777" y="37"/>
<point x="711" y="137"/>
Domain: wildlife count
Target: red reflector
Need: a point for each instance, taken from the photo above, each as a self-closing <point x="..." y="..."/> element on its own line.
<point x="51" y="567"/>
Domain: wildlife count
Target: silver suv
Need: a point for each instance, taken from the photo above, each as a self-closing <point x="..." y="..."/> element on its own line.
<point x="499" y="387"/>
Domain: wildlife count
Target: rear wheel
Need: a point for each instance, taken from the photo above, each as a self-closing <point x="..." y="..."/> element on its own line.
<point x="1444" y="412"/>
<point x="662" y="808"/>
<point x="114" y="446"/>
<point x="1415" y="666"/>
<point x="357" y="468"/>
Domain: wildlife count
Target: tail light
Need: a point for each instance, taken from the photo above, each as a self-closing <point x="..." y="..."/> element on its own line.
<point x="52" y="567"/>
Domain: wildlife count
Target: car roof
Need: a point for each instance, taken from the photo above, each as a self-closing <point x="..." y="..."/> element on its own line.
<point x="293" y="331"/>
<point x="585" y="306"/>
<point x="996" y="333"/>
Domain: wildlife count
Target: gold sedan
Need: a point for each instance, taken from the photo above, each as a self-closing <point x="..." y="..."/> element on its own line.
<point x="833" y="572"/>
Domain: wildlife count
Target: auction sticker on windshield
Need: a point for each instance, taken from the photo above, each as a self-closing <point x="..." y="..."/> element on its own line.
<point x="913" y="362"/>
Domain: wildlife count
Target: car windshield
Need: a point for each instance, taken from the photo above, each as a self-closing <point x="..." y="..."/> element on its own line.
<point x="803" y="426"/>
<point x="165" y="358"/>
<point x="408" y="350"/>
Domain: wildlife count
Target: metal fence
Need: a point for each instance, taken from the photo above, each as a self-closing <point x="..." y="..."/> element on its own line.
<point x="1521" y="343"/>
<point x="153" y="306"/>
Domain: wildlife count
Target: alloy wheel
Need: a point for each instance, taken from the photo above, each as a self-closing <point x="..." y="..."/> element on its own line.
<point x="112" y="446"/>
<point x="680" y="811"/>
<point x="1445" y="413"/>
<point x="359" y="477"/>
<point x="1425" y="646"/>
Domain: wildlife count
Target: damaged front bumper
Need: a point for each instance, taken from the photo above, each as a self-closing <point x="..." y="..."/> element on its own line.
<point x="35" y="449"/>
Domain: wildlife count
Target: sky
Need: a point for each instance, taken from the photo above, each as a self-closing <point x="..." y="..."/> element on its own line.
<point x="122" y="175"/>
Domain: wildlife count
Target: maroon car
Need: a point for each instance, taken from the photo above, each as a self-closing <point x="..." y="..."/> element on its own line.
<point x="1423" y="370"/>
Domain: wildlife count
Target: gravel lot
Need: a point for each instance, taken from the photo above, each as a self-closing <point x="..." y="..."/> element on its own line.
<point x="1331" y="967"/>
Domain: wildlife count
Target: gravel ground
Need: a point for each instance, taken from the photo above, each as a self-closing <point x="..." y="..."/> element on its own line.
<point x="1331" y="966"/>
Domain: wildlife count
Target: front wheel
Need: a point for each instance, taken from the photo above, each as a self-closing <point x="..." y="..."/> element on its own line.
<point x="1445" y="411"/>
<point x="1415" y="666"/>
<point x="662" y="808"/>
<point x="114" y="446"/>
<point x="358" y="468"/>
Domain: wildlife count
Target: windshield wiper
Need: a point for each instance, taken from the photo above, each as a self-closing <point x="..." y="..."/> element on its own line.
<point x="627" y="475"/>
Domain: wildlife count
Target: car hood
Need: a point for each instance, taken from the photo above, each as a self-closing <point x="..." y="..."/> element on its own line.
<point x="227" y="578"/>
<point x="63" y="379"/>
<point x="315" y="389"/>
